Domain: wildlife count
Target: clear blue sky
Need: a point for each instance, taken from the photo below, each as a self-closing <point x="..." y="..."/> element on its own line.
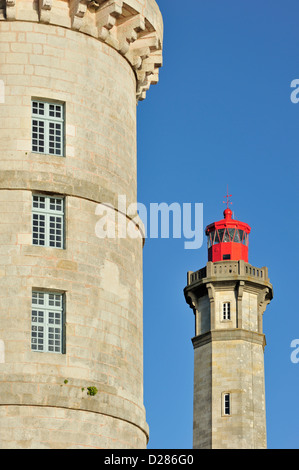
<point x="221" y="115"/>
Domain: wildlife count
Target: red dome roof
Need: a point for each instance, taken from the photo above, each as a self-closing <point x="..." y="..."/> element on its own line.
<point x="228" y="239"/>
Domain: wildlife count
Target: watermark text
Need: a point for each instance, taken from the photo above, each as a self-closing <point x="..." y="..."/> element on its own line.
<point x="182" y="221"/>
<point x="2" y="92"/>
<point x="295" y="352"/>
<point x="2" y="352"/>
<point x="295" y="92"/>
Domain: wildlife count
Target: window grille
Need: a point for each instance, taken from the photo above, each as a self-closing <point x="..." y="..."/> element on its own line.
<point x="47" y="322"/>
<point x="48" y="221"/>
<point x="226" y="311"/>
<point x="48" y="128"/>
<point x="226" y="404"/>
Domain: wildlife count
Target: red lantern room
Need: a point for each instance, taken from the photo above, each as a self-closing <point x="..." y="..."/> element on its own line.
<point x="228" y="238"/>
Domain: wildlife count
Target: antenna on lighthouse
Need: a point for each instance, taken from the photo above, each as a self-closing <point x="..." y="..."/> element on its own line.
<point x="227" y="202"/>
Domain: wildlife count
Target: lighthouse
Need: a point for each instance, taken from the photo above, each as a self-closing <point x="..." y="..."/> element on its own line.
<point x="228" y="297"/>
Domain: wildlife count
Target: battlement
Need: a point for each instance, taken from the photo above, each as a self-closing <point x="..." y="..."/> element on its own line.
<point x="133" y="28"/>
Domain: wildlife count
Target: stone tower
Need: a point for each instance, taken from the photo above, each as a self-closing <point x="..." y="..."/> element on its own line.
<point x="228" y="297"/>
<point x="71" y="326"/>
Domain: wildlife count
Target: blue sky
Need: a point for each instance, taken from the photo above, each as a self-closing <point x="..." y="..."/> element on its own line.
<point x="221" y="115"/>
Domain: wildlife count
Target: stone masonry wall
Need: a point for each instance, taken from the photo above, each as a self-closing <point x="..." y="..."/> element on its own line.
<point x="229" y="356"/>
<point x="104" y="344"/>
<point x="101" y="277"/>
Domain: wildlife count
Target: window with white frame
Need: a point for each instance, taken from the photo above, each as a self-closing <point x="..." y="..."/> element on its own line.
<point x="226" y="404"/>
<point x="47" y="127"/>
<point x="47" y="322"/>
<point x="48" y="221"/>
<point x="226" y="311"/>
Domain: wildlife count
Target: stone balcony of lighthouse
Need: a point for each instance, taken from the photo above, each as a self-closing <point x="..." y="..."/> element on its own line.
<point x="228" y="270"/>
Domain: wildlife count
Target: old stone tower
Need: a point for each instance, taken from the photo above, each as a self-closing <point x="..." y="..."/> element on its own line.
<point x="228" y="298"/>
<point x="71" y="329"/>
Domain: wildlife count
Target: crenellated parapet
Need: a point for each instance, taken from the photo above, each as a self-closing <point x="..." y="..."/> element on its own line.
<point x="133" y="28"/>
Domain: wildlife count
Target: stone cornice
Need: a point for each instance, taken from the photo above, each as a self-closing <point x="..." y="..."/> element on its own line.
<point x="133" y="28"/>
<point x="234" y="334"/>
<point x="59" y="397"/>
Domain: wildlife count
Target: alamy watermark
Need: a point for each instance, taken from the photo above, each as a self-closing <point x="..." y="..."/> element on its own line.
<point x="2" y="352"/>
<point x="2" y="92"/>
<point x="295" y="93"/>
<point x="295" y="352"/>
<point x="184" y="221"/>
<point x="295" y="343"/>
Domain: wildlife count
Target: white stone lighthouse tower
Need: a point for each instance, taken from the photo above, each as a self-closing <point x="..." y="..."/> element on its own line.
<point x="228" y="297"/>
<point x="71" y="326"/>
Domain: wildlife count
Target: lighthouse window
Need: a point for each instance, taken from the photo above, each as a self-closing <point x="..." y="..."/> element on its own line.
<point x="226" y="404"/>
<point x="237" y="238"/>
<point x="217" y="239"/>
<point x="231" y="232"/>
<point x="47" y="128"/>
<point x="242" y="236"/>
<point x="226" y="311"/>
<point x="227" y="235"/>
<point x="226" y="238"/>
<point x="220" y="234"/>
<point x="47" y="322"/>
